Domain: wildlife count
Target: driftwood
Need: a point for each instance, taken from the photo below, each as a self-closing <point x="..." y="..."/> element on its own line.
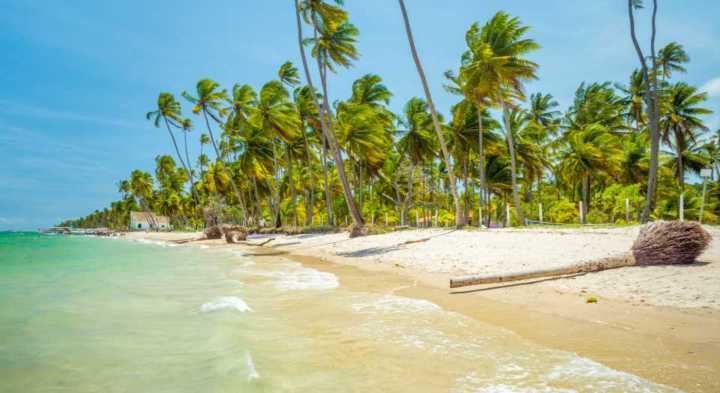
<point x="417" y="241"/>
<point x="259" y="244"/>
<point x="183" y="241"/>
<point x="659" y="243"/>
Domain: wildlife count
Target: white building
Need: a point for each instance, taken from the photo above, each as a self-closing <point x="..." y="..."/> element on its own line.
<point x="141" y="221"/>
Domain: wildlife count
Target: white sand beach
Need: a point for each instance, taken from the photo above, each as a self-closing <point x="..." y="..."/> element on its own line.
<point x="449" y="253"/>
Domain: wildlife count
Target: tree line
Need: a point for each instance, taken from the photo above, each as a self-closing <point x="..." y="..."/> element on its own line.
<point x="288" y="154"/>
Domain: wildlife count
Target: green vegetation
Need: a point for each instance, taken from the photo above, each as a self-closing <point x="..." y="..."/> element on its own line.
<point x="283" y="155"/>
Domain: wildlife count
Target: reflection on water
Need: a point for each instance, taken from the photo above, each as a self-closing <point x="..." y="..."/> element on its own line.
<point x="83" y="314"/>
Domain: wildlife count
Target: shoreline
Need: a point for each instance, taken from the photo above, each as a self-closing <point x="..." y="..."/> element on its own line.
<point x="673" y="345"/>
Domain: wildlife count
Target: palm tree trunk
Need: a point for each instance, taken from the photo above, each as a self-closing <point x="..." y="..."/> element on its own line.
<point x="481" y="158"/>
<point x="177" y="151"/>
<point x="234" y="186"/>
<point x="291" y="184"/>
<point x="436" y="123"/>
<point x="310" y="199"/>
<point x="324" y="122"/>
<point x="585" y="196"/>
<point x="650" y="97"/>
<point x="466" y="207"/>
<point x="513" y="166"/>
<point x="407" y="203"/>
<point x="335" y="148"/>
<point x="189" y="168"/>
<point x="328" y="194"/>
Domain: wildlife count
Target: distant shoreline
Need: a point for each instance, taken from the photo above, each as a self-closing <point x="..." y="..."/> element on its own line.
<point x="647" y="322"/>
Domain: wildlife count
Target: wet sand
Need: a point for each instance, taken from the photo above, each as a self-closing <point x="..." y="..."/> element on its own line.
<point x="678" y="346"/>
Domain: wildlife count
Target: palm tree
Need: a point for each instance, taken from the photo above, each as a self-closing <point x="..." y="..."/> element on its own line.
<point x="681" y="123"/>
<point x="459" y="217"/>
<point x="670" y="59"/>
<point x="208" y="102"/>
<point x="336" y="45"/>
<point x="288" y="74"/>
<point x="141" y="188"/>
<point x="633" y="99"/>
<point x="505" y="70"/>
<point x="275" y="115"/>
<point x="168" y="111"/>
<point x="585" y="153"/>
<point x="308" y="115"/>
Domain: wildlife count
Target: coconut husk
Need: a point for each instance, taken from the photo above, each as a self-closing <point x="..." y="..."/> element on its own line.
<point x="659" y="243"/>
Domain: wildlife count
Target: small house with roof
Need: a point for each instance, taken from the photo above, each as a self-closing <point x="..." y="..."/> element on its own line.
<point x="142" y="221"/>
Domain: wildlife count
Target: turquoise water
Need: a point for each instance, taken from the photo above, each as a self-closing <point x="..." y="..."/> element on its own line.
<point x="81" y="314"/>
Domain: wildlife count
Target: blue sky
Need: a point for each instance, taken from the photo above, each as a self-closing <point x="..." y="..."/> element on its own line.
<point x="78" y="76"/>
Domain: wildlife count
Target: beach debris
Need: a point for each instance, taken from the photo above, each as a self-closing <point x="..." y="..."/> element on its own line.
<point x="213" y="232"/>
<point x="659" y="243"/>
<point x="357" y="231"/>
<point x="234" y="236"/>
<point x="591" y="299"/>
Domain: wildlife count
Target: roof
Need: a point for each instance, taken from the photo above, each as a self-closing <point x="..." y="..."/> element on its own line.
<point x="149" y="218"/>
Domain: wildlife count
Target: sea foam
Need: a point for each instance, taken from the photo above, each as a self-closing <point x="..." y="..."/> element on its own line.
<point x="252" y="372"/>
<point x="395" y="304"/>
<point x="297" y="277"/>
<point x="226" y="302"/>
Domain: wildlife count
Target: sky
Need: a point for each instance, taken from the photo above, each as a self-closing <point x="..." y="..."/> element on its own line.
<point x="78" y="76"/>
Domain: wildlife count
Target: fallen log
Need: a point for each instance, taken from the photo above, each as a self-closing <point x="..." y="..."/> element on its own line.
<point x="659" y="243"/>
<point x="416" y="241"/>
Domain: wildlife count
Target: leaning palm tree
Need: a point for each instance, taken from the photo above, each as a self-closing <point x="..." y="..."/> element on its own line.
<point x="459" y="217"/>
<point x="322" y="15"/>
<point x="168" y="111"/>
<point x="681" y="123"/>
<point x="208" y="101"/>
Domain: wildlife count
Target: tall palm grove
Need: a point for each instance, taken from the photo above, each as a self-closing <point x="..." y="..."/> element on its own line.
<point x="287" y="154"/>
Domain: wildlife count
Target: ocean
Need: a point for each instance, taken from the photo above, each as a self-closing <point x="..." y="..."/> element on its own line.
<point x="85" y="314"/>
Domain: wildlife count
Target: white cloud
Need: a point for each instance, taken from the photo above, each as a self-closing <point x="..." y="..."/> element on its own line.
<point x="712" y="87"/>
<point x="39" y="111"/>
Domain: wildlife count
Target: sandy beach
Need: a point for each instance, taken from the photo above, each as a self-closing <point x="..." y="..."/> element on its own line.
<point x="662" y="322"/>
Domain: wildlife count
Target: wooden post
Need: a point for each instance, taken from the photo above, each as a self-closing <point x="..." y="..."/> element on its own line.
<point x="346" y="222"/>
<point x="436" y="216"/>
<point x="507" y="215"/>
<point x="540" y="211"/>
<point x="417" y="220"/>
<point x="682" y="207"/>
<point x="627" y="210"/>
<point x="372" y="218"/>
<point x="582" y="213"/>
<point x="480" y="217"/>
